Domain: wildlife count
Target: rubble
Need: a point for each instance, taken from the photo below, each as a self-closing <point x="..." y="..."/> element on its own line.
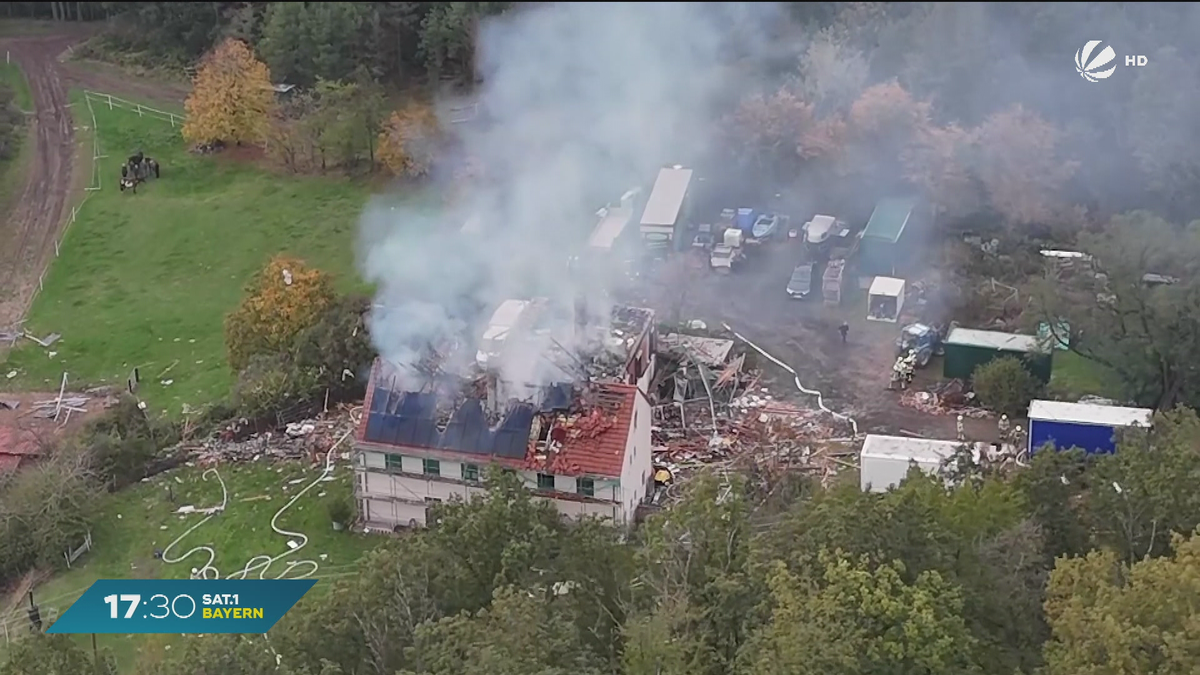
<point x="299" y="440"/>
<point x="729" y="419"/>
<point x="949" y="398"/>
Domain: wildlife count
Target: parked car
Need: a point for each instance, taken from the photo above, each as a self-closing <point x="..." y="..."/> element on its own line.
<point x="801" y="284"/>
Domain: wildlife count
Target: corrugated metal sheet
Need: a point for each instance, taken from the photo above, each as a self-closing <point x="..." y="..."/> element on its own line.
<point x="961" y="361"/>
<point x="889" y="219"/>
<point x="666" y="200"/>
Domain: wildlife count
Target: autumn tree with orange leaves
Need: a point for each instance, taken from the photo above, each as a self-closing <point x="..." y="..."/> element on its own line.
<point x="883" y="122"/>
<point x="231" y="99"/>
<point x="408" y="141"/>
<point x="781" y="131"/>
<point x="283" y="299"/>
<point x="938" y="161"/>
<point x="1021" y="168"/>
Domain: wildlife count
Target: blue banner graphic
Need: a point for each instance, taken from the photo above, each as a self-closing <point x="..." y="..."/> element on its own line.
<point x="194" y="606"/>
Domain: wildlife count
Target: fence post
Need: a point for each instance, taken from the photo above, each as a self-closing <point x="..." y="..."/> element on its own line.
<point x="56" y="245"/>
<point x="109" y="96"/>
<point x="42" y="276"/>
<point x="139" y="109"/>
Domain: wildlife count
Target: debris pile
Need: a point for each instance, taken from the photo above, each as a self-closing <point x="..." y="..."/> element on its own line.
<point x="718" y="413"/>
<point x="948" y="398"/>
<point x="298" y="440"/>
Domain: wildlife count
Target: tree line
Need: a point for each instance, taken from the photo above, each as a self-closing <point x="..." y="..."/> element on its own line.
<point x="1077" y="564"/>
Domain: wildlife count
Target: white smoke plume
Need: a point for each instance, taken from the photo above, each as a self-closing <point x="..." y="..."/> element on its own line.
<point x="584" y="100"/>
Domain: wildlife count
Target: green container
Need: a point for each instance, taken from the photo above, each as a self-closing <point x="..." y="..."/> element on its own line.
<point x="968" y="349"/>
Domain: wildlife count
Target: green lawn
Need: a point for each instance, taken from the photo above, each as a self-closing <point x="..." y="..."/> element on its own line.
<point x="145" y="280"/>
<point x="1076" y="376"/>
<point x="10" y="74"/>
<point x="135" y="522"/>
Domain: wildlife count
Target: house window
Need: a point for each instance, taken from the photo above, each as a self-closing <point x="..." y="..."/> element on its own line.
<point x="545" y="481"/>
<point x="431" y="467"/>
<point x="585" y="487"/>
<point x="392" y="462"/>
<point x="470" y="473"/>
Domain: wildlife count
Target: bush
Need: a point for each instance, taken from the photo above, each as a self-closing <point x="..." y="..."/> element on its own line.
<point x="270" y="383"/>
<point x="341" y="511"/>
<point x="1005" y="386"/>
<point x="122" y="442"/>
<point x="337" y="350"/>
<point x="45" y="510"/>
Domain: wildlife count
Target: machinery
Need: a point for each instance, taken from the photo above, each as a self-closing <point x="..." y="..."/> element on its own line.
<point x="921" y="340"/>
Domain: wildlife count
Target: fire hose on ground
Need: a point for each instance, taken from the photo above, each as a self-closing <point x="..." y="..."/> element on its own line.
<point x="796" y="378"/>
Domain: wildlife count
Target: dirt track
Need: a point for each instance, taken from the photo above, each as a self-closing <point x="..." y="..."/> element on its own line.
<point x="29" y="231"/>
<point x="28" y="234"/>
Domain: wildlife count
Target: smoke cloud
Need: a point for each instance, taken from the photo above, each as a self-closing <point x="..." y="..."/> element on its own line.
<point x="584" y="101"/>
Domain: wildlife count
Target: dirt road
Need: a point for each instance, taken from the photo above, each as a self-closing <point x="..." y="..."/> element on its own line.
<point x="28" y="234"/>
<point x="29" y="231"/>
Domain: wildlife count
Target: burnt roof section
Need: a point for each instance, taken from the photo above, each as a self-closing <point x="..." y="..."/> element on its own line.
<point x="409" y="418"/>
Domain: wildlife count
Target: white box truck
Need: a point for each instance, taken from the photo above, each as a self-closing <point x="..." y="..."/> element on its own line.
<point x="884" y="460"/>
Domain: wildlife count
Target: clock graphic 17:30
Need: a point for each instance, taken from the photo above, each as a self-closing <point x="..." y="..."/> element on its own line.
<point x="157" y="606"/>
<point x="192" y="606"/>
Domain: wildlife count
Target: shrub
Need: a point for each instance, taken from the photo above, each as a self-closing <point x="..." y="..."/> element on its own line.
<point x="1005" y="386"/>
<point x="337" y="349"/>
<point x="341" y="510"/>
<point x="270" y="383"/>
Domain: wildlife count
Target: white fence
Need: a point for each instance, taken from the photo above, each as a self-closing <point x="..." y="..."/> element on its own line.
<point x="72" y="556"/>
<point x="17" y="624"/>
<point x="93" y="98"/>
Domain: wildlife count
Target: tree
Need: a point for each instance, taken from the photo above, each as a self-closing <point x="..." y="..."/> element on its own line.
<point x="406" y="143"/>
<point x="11" y="122"/>
<point x="779" y="132"/>
<point x="1005" y="386"/>
<point x="938" y="161"/>
<point x="1112" y="619"/>
<point x="1145" y="333"/>
<point x="232" y="98"/>
<point x="1021" y="168"/>
<point x="41" y="654"/>
<point x="284" y="298"/>
<point x="337" y="349"/>
<point x="520" y="632"/>
<point x="1146" y="490"/>
<point x="832" y="74"/>
<point x="349" y="116"/>
<point x="855" y="618"/>
<point x="883" y="123"/>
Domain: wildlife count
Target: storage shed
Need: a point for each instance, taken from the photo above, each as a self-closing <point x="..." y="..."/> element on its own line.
<point x="885" y="299"/>
<point x="884" y="460"/>
<point x="1081" y="425"/>
<point x="882" y="249"/>
<point x="967" y="349"/>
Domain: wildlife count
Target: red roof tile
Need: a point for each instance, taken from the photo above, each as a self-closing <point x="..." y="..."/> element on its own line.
<point x="593" y="444"/>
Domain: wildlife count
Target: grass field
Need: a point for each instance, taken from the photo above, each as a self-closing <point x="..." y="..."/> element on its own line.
<point x="1075" y="376"/>
<point x="135" y="522"/>
<point x="11" y="75"/>
<point x="146" y="280"/>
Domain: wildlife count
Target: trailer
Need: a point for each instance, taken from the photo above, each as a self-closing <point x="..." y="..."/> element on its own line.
<point x="1092" y="428"/>
<point x="885" y="460"/>
<point x="831" y="282"/>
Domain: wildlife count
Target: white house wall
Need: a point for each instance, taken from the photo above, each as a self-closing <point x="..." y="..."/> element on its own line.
<point x="637" y="471"/>
<point x="396" y="498"/>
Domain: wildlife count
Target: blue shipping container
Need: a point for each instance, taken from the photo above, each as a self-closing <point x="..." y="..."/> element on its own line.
<point x="745" y="220"/>
<point x="1064" y="435"/>
<point x="1092" y="428"/>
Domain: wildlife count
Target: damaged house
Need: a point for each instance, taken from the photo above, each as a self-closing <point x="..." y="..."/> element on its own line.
<point x="573" y="422"/>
